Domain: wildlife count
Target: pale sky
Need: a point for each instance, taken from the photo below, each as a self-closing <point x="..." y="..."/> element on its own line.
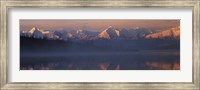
<point x="96" y="25"/>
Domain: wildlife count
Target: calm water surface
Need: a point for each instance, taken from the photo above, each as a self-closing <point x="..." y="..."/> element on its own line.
<point x="141" y="60"/>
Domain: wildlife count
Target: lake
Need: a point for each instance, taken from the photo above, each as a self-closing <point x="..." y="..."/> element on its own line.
<point x="139" y="60"/>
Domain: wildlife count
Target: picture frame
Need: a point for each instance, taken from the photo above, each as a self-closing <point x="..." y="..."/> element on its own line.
<point x="4" y="43"/>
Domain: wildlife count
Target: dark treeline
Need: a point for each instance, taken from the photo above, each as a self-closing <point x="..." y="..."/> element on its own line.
<point x="43" y="45"/>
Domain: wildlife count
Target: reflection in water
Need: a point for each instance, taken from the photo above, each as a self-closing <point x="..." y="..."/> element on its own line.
<point x="69" y="66"/>
<point x="117" y="67"/>
<point x="150" y="65"/>
<point x="120" y="61"/>
<point x="163" y="65"/>
<point x="103" y="66"/>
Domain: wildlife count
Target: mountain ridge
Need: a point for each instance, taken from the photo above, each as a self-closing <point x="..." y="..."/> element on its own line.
<point x="108" y="34"/>
<point x="171" y="33"/>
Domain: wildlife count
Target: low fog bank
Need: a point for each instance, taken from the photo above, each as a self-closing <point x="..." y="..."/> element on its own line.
<point x="32" y="45"/>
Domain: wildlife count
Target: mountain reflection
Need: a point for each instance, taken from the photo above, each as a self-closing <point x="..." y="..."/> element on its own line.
<point x="163" y="65"/>
<point x="104" y="66"/>
<point x="123" y="61"/>
<point x="150" y="65"/>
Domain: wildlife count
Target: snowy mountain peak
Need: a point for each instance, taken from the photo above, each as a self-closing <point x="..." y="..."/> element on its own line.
<point x="109" y="33"/>
<point x="171" y="33"/>
<point x="110" y="27"/>
<point x="104" y="34"/>
<point x="33" y="30"/>
<point x="69" y="35"/>
<point x="80" y="31"/>
<point x="137" y="27"/>
<point x="117" y="32"/>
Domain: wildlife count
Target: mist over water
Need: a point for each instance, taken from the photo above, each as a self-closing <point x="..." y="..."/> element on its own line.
<point x="144" y="60"/>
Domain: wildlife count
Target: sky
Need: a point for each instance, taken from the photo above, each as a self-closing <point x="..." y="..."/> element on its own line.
<point x="96" y="25"/>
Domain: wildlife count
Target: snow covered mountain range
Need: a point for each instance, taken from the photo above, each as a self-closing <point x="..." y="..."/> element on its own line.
<point x="171" y="33"/>
<point x="108" y="33"/>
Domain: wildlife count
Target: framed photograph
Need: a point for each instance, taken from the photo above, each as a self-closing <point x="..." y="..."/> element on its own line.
<point x="103" y="44"/>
